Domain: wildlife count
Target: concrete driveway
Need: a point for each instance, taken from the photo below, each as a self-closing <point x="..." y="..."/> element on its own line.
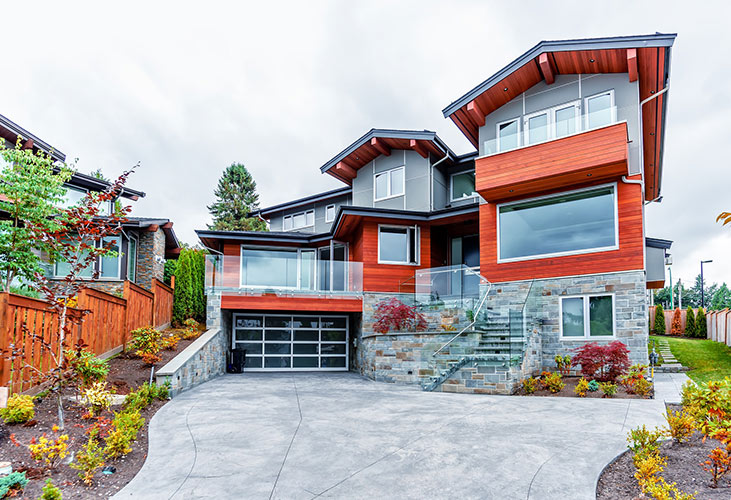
<point x="304" y="435"/>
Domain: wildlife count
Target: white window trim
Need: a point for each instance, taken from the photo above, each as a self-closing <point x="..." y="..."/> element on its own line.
<point x="587" y="333"/>
<point x="326" y="209"/>
<point x="292" y="216"/>
<point x="497" y="134"/>
<point x="417" y="237"/>
<point x="97" y="266"/>
<point x="451" y="186"/>
<point x="612" y="108"/>
<point x="551" y="122"/>
<point x="500" y="260"/>
<point x="389" y="188"/>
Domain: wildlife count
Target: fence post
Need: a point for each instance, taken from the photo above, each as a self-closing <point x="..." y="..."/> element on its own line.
<point x="4" y="337"/>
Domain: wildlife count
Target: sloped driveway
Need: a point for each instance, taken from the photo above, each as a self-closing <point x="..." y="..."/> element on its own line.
<point x="307" y="436"/>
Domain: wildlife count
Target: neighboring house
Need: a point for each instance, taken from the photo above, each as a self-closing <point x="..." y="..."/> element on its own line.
<point x="144" y="243"/>
<point x="549" y="208"/>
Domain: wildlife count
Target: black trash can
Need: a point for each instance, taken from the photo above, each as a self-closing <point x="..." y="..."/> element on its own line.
<point x="237" y="361"/>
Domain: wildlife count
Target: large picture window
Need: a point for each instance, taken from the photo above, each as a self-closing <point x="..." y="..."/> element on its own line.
<point x="590" y="316"/>
<point x="263" y="268"/>
<point x="575" y="222"/>
<point x="398" y="245"/>
<point x="388" y="184"/>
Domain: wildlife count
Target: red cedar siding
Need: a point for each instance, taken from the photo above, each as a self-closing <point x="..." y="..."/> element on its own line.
<point x="629" y="256"/>
<point x="275" y="303"/>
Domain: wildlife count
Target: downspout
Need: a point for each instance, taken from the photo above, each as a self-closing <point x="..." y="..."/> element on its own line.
<point x="431" y="180"/>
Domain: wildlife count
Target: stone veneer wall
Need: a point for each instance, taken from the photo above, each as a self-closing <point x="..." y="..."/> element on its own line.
<point x="148" y="267"/>
<point x="115" y="287"/>
<point x="201" y="361"/>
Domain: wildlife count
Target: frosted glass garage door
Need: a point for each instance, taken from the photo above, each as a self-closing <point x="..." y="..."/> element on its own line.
<point x="276" y="342"/>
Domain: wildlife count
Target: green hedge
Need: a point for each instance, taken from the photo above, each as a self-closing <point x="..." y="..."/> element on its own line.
<point x="189" y="299"/>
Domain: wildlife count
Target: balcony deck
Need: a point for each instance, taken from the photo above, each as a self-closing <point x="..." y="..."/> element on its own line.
<point x="588" y="156"/>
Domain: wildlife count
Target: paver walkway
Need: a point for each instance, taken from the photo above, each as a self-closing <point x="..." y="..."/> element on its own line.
<point x="342" y="436"/>
<point x="668" y="360"/>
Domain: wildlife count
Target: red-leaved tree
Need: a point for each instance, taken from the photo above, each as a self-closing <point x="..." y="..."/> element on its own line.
<point x="676" y="327"/>
<point x="78" y="241"/>
<point x="604" y="363"/>
<point x="392" y="314"/>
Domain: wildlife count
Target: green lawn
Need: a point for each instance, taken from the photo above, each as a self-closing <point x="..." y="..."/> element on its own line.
<point x="707" y="360"/>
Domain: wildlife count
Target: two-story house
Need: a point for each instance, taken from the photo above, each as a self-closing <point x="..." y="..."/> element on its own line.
<point x="143" y="244"/>
<point x="545" y="220"/>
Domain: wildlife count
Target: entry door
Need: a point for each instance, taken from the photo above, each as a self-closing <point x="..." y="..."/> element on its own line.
<point x="280" y="342"/>
<point x="465" y="250"/>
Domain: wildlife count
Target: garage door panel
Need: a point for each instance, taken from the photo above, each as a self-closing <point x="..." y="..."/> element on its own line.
<point x="282" y="342"/>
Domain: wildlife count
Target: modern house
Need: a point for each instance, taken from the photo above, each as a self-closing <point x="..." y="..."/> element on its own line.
<point x="143" y="244"/>
<point x="529" y="246"/>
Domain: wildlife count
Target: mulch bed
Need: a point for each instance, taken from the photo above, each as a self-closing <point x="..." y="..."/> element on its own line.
<point x="568" y="391"/>
<point x="617" y="482"/>
<point x="125" y="373"/>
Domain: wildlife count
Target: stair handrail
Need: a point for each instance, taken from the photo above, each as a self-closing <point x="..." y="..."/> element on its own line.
<point x="476" y="312"/>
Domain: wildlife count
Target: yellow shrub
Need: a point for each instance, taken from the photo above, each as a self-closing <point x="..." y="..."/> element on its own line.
<point x="648" y="466"/>
<point x="20" y="409"/>
<point x="49" y="451"/>
<point x="581" y="387"/>
<point x="680" y="425"/>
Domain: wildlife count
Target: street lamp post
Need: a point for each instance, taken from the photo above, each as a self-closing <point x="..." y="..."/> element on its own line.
<point x="703" y="303"/>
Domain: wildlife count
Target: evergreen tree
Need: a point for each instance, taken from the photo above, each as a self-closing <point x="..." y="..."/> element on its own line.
<point x="659" y="320"/>
<point x="169" y="271"/>
<point x="236" y="197"/>
<point x="701" y="327"/>
<point x="689" y="322"/>
<point x="721" y="298"/>
<point x="676" y="327"/>
<point x="189" y="300"/>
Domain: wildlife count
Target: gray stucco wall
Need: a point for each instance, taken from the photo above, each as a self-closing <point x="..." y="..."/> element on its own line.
<point x="566" y="89"/>
<point x="321" y="226"/>
<point x="417" y="192"/>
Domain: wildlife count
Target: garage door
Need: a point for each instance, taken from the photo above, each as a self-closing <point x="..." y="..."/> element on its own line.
<point x="278" y="342"/>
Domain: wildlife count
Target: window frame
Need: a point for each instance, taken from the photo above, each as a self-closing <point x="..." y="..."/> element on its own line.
<point x="389" y="185"/>
<point x="451" y="186"/>
<point x="587" y="325"/>
<point x="297" y="250"/>
<point x="292" y="216"/>
<point x="96" y="266"/>
<point x="550" y="113"/>
<point x="118" y="277"/>
<point x="612" y="109"/>
<point x="333" y="216"/>
<point x="137" y="251"/>
<point x="417" y="245"/>
<point x="518" y="134"/>
<point x="500" y="260"/>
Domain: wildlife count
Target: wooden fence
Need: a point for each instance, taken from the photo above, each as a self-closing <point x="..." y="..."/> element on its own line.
<point x="29" y="323"/>
<point x="719" y="326"/>
<point x="669" y="319"/>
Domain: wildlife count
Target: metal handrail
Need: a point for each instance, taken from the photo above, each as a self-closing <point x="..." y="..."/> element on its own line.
<point x="475" y="314"/>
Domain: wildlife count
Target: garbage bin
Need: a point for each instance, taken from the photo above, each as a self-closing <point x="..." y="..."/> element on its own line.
<point x="237" y="361"/>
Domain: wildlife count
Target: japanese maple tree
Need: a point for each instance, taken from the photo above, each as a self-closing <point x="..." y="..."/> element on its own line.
<point x="604" y="363"/>
<point x="392" y="314"/>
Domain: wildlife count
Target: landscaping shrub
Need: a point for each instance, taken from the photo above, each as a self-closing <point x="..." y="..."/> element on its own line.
<point x="634" y="374"/>
<point x="86" y="367"/>
<point x="49" y="451"/>
<point x="659" y="326"/>
<point x="144" y="396"/>
<point x="680" y="425"/>
<point x="647" y="468"/>
<point x="581" y="388"/>
<point x="189" y="300"/>
<point x="170" y="342"/>
<point x="604" y="363"/>
<point x="191" y="330"/>
<point x="19" y="410"/>
<point x="661" y="490"/>
<point x="676" y="327"/>
<point x="644" y="442"/>
<point x="89" y="460"/>
<point x="147" y="342"/>
<point x="125" y="426"/>
<point x="393" y="315"/>
<point x="718" y="464"/>
<point x="11" y="484"/>
<point x="97" y="397"/>
<point x="643" y="387"/>
<point x="609" y="389"/>
<point x="50" y="492"/>
<point x="701" y="326"/>
<point x="593" y="386"/>
<point x="690" y="328"/>
<point x="552" y="382"/>
<point x="530" y="385"/>
<point x="563" y="363"/>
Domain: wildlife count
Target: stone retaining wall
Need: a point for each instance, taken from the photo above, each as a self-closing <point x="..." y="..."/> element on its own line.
<point x="201" y="361"/>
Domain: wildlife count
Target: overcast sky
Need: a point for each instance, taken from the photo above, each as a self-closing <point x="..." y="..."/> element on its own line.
<point x="282" y="87"/>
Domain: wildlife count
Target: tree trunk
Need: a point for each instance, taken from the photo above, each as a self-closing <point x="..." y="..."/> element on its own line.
<point x="61" y="339"/>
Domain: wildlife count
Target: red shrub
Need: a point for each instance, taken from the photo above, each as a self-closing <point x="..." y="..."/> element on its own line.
<point x="676" y="327"/>
<point x="602" y="362"/>
<point x="392" y="314"/>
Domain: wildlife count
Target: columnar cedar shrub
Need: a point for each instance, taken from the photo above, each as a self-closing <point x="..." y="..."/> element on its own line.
<point x="189" y="299"/>
<point x="701" y="326"/>
<point x="393" y="315"/>
<point x="690" y="326"/>
<point x="602" y="362"/>
<point x="659" y="327"/>
<point x="676" y="327"/>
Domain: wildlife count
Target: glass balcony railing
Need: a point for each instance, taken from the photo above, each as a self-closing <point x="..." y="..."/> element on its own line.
<point x="282" y="272"/>
<point x="551" y="125"/>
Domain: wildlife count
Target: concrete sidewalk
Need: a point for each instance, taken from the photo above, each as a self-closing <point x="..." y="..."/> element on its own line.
<point x="334" y="435"/>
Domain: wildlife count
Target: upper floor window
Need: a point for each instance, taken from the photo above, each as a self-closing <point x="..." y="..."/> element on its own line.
<point x="132" y="259"/>
<point x="73" y="196"/>
<point x="508" y="135"/>
<point x="568" y="223"/>
<point x="398" y="245"/>
<point x="463" y="185"/>
<point x="552" y="123"/>
<point x="300" y="220"/>
<point x="329" y="213"/>
<point x="600" y="109"/>
<point x="389" y="184"/>
<point x="109" y="266"/>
